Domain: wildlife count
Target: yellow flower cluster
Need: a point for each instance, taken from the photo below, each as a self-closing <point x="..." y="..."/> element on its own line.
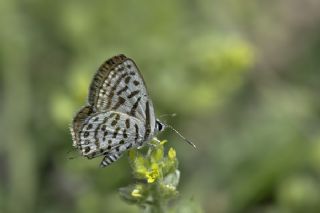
<point x="158" y="172"/>
<point x="153" y="165"/>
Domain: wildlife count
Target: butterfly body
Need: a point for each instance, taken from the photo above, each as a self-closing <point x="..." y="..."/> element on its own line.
<point x="119" y="114"/>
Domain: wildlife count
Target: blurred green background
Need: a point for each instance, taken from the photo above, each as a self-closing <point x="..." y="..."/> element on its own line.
<point x="243" y="77"/>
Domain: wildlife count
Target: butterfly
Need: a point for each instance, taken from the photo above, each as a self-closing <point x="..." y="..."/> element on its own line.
<point x="119" y="113"/>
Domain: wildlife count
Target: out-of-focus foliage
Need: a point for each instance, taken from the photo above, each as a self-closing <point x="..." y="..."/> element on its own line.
<point x="243" y="77"/>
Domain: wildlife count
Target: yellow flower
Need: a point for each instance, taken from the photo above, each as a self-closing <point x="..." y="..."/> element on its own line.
<point x="153" y="174"/>
<point x="139" y="163"/>
<point x="172" y="154"/>
<point x="157" y="155"/>
<point x="137" y="192"/>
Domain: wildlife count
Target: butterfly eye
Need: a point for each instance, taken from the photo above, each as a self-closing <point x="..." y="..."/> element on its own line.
<point x="159" y="126"/>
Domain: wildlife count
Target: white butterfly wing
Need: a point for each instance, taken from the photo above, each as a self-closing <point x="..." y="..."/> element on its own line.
<point x="108" y="133"/>
<point x="119" y="86"/>
<point x="119" y="114"/>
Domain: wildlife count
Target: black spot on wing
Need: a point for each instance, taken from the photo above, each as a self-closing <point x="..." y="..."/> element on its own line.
<point x="86" y="134"/>
<point x="115" y="133"/>
<point x="137" y="133"/>
<point x="120" y="102"/>
<point x="134" y="93"/>
<point x="89" y="127"/>
<point x="127" y="123"/>
<point x="134" y="107"/>
<point x="127" y="80"/>
<point x="116" y="119"/>
<point x="122" y="90"/>
<point x="87" y="149"/>
<point x="124" y="133"/>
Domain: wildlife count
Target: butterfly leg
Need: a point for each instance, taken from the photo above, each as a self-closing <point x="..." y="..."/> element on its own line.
<point x="141" y="144"/>
<point x="150" y="143"/>
<point x="154" y="142"/>
<point x="156" y="139"/>
<point x="109" y="158"/>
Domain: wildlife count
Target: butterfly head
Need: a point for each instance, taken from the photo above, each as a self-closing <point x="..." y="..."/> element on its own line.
<point x="160" y="126"/>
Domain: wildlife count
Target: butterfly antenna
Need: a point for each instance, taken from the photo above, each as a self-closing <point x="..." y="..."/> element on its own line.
<point x="166" y="115"/>
<point x="181" y="136"/>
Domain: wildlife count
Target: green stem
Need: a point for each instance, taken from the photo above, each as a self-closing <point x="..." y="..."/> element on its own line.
<point x="159" y="204"/>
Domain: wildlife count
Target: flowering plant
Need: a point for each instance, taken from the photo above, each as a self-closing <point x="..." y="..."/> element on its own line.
<point x="157" y="177"/>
